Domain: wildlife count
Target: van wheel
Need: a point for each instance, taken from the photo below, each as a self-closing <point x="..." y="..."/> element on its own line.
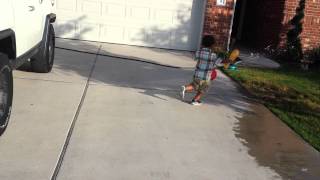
<point x="6" y="92"/>
<point x="43" y="61"/>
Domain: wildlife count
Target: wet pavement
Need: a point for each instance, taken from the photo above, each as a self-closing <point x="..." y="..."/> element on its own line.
<point x="274" y="145"/>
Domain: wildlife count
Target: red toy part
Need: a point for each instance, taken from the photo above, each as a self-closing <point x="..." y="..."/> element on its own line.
<point x="214" y="75"/>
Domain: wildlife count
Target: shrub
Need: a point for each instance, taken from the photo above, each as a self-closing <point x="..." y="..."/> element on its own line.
<point x="314" y="56"/>
<point x="294" y="47"/>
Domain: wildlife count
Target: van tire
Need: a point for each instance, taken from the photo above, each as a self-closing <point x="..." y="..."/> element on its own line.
<point x="6" y="92"/>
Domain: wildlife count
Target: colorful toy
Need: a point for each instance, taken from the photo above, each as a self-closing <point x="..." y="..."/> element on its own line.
<point x="233" y="60"/>
<point x="233" y="67"/>
<point x="214" y="75"/>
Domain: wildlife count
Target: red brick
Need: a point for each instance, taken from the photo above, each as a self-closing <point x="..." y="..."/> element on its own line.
<point x="272" y="26"/>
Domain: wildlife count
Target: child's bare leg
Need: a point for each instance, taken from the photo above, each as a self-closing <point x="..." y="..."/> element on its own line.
<point x="189" y="87"/>
<point x="186" y="88"/>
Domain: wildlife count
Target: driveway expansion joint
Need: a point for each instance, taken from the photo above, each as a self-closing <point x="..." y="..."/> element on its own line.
<point x="74" y="121"/>
<point x="123" y="58"/>
<point x="47" y="80"/>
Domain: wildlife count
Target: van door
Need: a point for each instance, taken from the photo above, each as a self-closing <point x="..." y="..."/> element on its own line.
<point x="28" y="24"/>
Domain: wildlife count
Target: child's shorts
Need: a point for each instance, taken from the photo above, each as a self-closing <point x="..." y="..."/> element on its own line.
<point x="201" y="85"/>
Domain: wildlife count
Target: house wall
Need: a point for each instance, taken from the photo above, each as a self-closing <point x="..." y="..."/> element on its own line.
<point x="218" y="21"/>
<point x="311" y="33"/>
<point x="311" y="27"/>
<point x="268" y="22"/>
<point x="262" y="26"/>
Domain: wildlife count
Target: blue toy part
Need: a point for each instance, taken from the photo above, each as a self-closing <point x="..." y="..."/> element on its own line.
<point x="233" y="67"/>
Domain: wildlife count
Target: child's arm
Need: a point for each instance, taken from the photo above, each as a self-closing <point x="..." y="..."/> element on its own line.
<point x="196" y="55"/>
<point x="215" y="61"/>
<point x="219" y="62"/>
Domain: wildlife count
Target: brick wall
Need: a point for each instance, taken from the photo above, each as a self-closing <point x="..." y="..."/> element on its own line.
<point x="289" y="12"/>
<point x="311" y="33"/>
<point x="311" y="27"/>
<point x="217" y="22"/>
<point x="272" y="22"/>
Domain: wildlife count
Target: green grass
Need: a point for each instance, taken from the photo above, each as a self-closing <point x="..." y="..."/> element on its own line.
<point x="293" y="95"/>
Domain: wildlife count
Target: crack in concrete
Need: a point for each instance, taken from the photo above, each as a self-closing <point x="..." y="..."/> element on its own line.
<point x="74" y="121"/>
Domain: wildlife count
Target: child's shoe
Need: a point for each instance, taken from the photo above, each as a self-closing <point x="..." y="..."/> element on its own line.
<point x="196" y="103"/>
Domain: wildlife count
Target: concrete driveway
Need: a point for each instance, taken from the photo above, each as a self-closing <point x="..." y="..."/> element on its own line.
<point x="101" y="117"/>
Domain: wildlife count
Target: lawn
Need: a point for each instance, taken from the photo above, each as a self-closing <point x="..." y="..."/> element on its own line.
<point x="293" y="95"/>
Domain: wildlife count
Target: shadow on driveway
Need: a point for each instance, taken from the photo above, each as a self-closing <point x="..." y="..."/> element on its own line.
<point x="155" y="78"/>
<point x="271" y="142"/>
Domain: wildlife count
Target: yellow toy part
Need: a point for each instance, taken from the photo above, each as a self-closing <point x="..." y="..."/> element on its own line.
<point x="234" y="55"/>
<point x="226" y="65"/>
<point x="232" y="58"/>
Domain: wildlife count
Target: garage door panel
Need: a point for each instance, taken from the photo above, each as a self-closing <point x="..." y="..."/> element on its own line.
<point x="146" y="3"/>
<point x="88" y="31"/>
<point x="181" y="40"/>
<point x="138" y="13"/>
<point x="112" y="34"/>
<point x="114" y="1"/>
<point x="172" y="4"/>
<point x="91" y="7"/>
<point x="136" y="36"/>
<point x="160" y="39"/>
<point x="114" y="10"/>
<point x="155" y="23"/>
<point x="164" y="15"/>
<point x="184" y="3"/>
<point x="183" y="16"/>
<point x="65" y="29"/>
<point x="70" y="6"/>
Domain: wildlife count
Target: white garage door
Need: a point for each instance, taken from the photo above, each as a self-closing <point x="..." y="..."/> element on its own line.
<point x="172" y="24"/>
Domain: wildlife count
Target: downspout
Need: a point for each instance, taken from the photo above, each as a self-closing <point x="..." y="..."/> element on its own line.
<point x="231" y="24"/>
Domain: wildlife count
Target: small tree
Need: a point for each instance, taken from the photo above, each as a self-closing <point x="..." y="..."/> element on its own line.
<point x="294" y="46"/>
